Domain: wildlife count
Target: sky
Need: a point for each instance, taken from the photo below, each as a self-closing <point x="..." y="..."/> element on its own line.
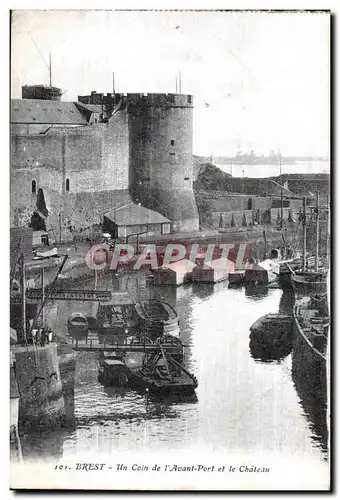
<point x="260" y="80"/>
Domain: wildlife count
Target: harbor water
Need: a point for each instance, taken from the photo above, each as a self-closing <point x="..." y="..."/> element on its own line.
<point x="258" y="170"/>
<point x="246" y="402"/>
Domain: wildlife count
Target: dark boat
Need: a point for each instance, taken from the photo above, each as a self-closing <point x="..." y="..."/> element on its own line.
<point x="311" y="322"/>
<point x="158" y="372"/>
<point x="270" y="322"/>
<point x="156" y="318"/>
<point x="236" y="277"/>
<point x="309" y="282"/>
<point x="271" y="337"/>
<point x="115" y="319"/>
<point x="309" y="361"/>
<point x="78" y="327"/>
<point x="112" y="369"/>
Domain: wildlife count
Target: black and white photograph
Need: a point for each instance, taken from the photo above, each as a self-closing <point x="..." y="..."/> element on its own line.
<point x="170" y="250"/>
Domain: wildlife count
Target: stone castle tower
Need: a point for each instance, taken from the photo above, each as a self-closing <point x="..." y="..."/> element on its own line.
<point x="160" y="156"/>
<point x="102" y="152"/>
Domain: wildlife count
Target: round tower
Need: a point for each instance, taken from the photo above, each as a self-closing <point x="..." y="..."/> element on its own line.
<point x="161" y="161"/>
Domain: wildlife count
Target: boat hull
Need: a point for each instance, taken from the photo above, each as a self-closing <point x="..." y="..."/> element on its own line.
<point x="236" y="278"/>
<point x="156" y="319"/>
<point x="309" y="373"/>
<point x="137" y="379"/>
<point x="307" y="284"/>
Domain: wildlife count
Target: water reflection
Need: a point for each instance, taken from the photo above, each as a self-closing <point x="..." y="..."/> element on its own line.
<point x="214" y="322"/>
<point x="46" y="445"/>
<point x="256" y="292"/>
<point x="286" y="302"/>
<point x="204" y="290"/>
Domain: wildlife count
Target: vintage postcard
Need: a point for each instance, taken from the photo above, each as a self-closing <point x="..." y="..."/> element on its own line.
<point x="170" y="250"/>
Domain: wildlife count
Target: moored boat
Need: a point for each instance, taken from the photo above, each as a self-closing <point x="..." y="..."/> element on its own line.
<point x="156" y="318"/>
<point x="158" y="371"/>
<point x="78" y="327"/>
<point x="162" y="374"/>
<point x="311" y="322"/>
<point x="115" y="319"/>
<point x="309" y="361"/>
<point x="272" y="321"/>
<point x="236" y="277"/>
<point x="271" y="337"/>
<point x="309" y="282"/>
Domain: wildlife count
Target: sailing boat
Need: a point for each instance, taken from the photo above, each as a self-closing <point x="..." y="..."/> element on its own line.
<point x="309" y="281"/>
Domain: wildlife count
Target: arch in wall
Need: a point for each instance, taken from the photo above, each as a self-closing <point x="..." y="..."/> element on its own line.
<point x="67" y="185"/>
<point x="40" y="213"/>
<point x="34" y="187"/>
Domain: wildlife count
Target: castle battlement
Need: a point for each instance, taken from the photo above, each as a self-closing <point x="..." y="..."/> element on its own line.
<point x="140" y="100"/>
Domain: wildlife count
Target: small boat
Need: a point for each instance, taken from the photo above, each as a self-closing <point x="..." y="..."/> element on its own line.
<point x="236" y="277"/>
<point x="309" y="282"/>
<point x="115" y="318"/>
<point x="156" y="318"/>
<point x="160" y="373"/>
<point x="311" y="322"/>
<point x="112" y="369"/>
<point x="271" y="322"/>
<point x="78" y="327"/>
<point x="46" y="254"/>
<point x="310" y="370"/>
<point x="271" y="337"/>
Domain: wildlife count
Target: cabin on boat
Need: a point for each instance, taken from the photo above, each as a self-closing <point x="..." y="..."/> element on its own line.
<point x="175" y="273"/>
<point x="213" y="271"/>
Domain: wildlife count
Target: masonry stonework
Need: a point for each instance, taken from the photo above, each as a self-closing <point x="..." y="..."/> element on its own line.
<point x="144" y="148"/>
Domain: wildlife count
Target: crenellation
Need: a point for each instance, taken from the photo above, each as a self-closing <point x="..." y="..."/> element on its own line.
<point x="144" y="148"/>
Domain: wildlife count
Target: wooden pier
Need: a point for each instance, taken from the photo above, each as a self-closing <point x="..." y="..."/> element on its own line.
<point x="94" y="346"/>
<point x="36" y="295"/>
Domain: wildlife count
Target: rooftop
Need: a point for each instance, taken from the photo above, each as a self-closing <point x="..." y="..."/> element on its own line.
<point x="134" y="215"/>
<point x="35" y="111"/>
<point x="180" y="266"/>
<point x="93" y="108"/>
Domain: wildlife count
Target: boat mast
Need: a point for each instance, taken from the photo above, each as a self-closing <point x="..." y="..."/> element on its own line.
<point x="304" y="234"/>
<point x="327" y="230"/>
<point x="50" y="70"/>
<point x="23" y="297"/>
<point x="317" y="231"/>
<point x="281" y="221"/>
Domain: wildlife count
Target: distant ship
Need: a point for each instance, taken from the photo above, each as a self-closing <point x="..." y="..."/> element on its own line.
<point x="272" y="159"/>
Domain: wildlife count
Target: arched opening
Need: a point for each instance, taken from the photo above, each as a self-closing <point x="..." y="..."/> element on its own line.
<point x="34" y="187"/>
<point x="67" y="185"/>
<point x="37" y="222"/>
<point x="41" y="212"/>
